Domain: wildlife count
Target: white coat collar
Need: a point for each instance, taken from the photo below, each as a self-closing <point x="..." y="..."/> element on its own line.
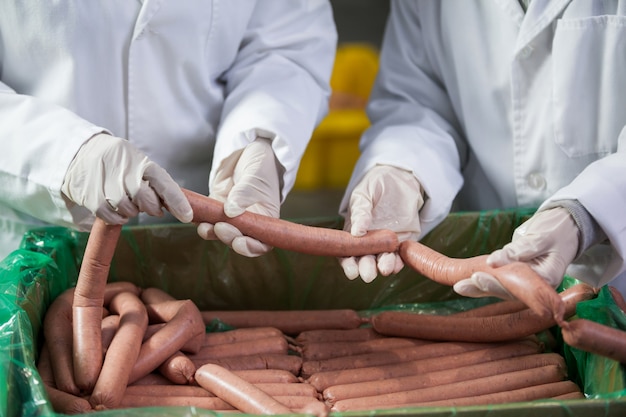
<point x="539" y="15"/>
<point x="148" y="9"/>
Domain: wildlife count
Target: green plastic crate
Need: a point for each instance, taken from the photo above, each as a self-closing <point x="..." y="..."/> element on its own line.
<point x="175" y="259"/>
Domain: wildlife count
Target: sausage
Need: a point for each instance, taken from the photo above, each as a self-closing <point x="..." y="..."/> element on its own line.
<point x="237" y="392"/>
<point x="208" y="403"/>
<point x="393" y="356"/>
<point x="178" y="368"/>
<point x="323" y="380"/>
<point x="267" y="345"/>
<point x="290" y="363"/>
<point x="532" y="393"/>
<point x="429" y="379"/>
<point x="477" y="329"/>
<point x="113" y="288"/>
<point x="153" y="378"/>
<point x="57" y="328"/>
<point x="315" y="408"/>
<point x="517" y="277"/>
<point x="359" y="334"/>
<point x="296" y="402"/>
<point x="256" y="376"/>
<point x="291" y="236"/>
<point x="123" y="352"/>
<point x="270" y="388"/>
<point x="239" y="335"/>
<point x="193" y="345"/>
<point x="575" y="395"/>
<point x="292" y="390"/>
<point x="158" y="390"/>
<point x="153" y="295"/>
<point x="44" y="366"/>
<point x="493" y="309"/>
<point x="109" y="326"/>
<point x="66" y="403"/>
<point x="327" y="350"/>
<point x="594" y="337"/>
<point x="183" y="323"/>
<point x="618" y="298"/>
<point x="88" y="302"/>
<point x="499" y="382"/>
<point x="165" y="311"/>
<point x="290" y="322"/>
<point x="61" y="401"/>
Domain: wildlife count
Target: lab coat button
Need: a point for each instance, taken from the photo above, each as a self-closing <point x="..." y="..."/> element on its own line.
<point x="536" y="181"/>
<point x="525" y="52"/>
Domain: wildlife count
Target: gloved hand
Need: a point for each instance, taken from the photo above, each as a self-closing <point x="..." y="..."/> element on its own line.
<point x="386" y="198"/>
<point x="116" y="181"/>
<point x="548" y="242"/>
<point x="246" y="180"/>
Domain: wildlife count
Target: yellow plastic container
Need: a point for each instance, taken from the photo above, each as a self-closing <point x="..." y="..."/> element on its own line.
<point x="334" y="147"/>
<point x="333" y="151"/>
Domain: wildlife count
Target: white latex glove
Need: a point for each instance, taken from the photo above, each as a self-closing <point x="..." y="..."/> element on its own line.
<point x="548" y="242"/>
<point x="386" y="198"/>
<point x="116" y="181"/>
<point x="246" y="180"/>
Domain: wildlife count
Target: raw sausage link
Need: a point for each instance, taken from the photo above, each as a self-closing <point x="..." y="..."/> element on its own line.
<point x="237" y="392"/>
<point x="122" y="353"/>
<point x="88" y="302"/>
<point x="517" y="277"/>
<point x="293" y="236"/>
<point x="597" y="338"/>
<point x="500" y="382"/>
<point x="476" y="329"/>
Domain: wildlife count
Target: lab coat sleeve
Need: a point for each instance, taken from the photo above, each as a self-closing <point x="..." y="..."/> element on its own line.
<point x="278" y="86"/>
<point x="39" y="141"/>
<point x="601" y="189"/>
<point x="412" y="121"/>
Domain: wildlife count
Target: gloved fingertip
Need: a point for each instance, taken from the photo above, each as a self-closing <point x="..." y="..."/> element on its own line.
<point x="111" y="217"/>
<point x="358" y="230"/>
<point x="495" y="259"/>
<point x="466" y="288"/>
<point x="232" y="209"/>
<point x="183" y="211"/>
<point x="206" y="231"/>
<point x="249" y="247"/>
<point x="399" y="265"/>
<point x="369" y="276"/>
<point x="350" y="268"/>
<point x="386" y="264"/>
<point x="185" y="216"/>
<point x="368" y="269"/>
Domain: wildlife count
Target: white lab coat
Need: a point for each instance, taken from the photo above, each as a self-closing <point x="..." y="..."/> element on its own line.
<point x="187" y="82"/>
<point x="492" y="108"/>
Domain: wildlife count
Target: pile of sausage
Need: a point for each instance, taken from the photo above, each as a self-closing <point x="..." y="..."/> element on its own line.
<point x="156" y="352"/>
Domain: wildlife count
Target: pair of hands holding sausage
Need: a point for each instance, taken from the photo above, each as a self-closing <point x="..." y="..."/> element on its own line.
<point x="391" y="198"/>
<point x="116" y="181"/>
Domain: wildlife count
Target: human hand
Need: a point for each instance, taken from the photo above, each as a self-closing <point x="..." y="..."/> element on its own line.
<point x="246" y="180"/>
<point x="548" y="242"/>
<point x="386" y="198"/>
<point x="116" y="181"/>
